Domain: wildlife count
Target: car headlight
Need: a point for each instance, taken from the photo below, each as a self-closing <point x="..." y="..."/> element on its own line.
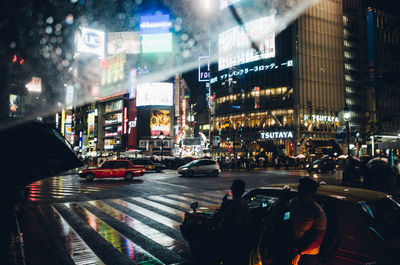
<point x="184" y="168"/>
<point x="80" y="172"/>
<point x="315" y="166"/>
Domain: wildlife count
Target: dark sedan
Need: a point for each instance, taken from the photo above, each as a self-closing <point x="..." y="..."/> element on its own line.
<point x="363" y="226"/>
<point x="148" y="164"/>
<point x="322" y="165"/>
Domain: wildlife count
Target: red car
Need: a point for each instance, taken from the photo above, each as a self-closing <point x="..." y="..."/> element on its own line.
<point x="113" y="169"/>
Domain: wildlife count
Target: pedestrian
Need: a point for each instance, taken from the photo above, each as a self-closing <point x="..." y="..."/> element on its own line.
<point x="308" y="224"/>
<point x="233" y="217"/>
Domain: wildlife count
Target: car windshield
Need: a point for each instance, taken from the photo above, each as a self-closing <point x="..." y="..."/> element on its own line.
<point x="317" y="161"/>
<point x="383" y="219"/>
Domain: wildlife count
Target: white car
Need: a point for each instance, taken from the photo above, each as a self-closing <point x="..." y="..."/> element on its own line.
<point x="201" y="166"/>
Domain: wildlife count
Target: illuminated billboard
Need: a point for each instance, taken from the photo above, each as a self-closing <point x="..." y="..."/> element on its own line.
<point x="155" y="34"/>
<point x="160" y="121"/>
<point x="15" y="104"/>
<point x="154" y="94"/>
<point x="158" y="24"/>
<point x="90" y="41"/>
<point x="155" y="43"/>
<point x="35" y="85"/>
<point x="123" y="42"/>
<point x="234" y="46"/>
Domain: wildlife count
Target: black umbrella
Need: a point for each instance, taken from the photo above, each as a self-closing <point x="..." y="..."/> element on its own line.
<point x="28" y="152"/>
<point x="32" y="151"/>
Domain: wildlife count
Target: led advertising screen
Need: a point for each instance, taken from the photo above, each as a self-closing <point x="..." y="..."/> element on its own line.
<point x="15" y="104"/>
<point x="90" y="41"/>
<point x="160" y="121"/>
<point x="123" y="42"/>
<point x="234" y="47"/>
<point x="154" y="94"/>
<point x="158" y="24"/>
<point x="156" y="43"/>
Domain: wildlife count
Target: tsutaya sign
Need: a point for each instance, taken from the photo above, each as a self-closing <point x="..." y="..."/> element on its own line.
<point x="325" y="118"/>
<point x="277" y="135"/>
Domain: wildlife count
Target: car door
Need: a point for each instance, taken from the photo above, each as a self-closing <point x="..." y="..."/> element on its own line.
<point x="120" y="169"/>
<point x="104" y="170"/>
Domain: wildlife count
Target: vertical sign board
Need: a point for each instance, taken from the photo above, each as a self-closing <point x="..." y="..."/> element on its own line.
<point x="204" y="69"/>
<point x="132" y="124"/>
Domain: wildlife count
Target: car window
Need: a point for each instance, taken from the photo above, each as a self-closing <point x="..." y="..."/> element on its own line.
<point x="383" y="218"/>
<point x="209" y="162"/>
<point x="202" y="163"/>
<point x="107" y="164"/>
<point x="121" y="164"/>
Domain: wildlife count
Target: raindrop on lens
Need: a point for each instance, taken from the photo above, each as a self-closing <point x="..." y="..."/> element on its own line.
<point x="49" y="30"/>
<point x="49" y="20"/>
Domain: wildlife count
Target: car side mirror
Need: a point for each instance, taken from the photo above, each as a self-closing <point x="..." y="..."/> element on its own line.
<point x="194" y="205"/>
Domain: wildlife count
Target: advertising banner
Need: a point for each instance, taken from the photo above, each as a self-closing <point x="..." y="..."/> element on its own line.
<point x="154" y="94"/>
<point x="91" y="123"/>
<point x="234" y="47"/>
<point x="90" y="41"/>
<point x="123" y="42"/>
<point x="15" y="105"/>
<point x="160" y="121"/>
<point x="158" y="24"/>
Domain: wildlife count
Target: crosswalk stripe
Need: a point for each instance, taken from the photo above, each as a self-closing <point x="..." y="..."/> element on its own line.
<point x="147" y="231"/>
<point x="79" y="251"/>
<point x="142" y="230"/>
<point x="150" y="214"/>
<point x="134" y="252"/>
<point x="159" y="206"/>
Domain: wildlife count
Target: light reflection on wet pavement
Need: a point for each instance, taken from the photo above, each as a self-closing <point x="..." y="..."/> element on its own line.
<point x="60" y="187"/>
<point x="118" y="241"/>
<point x="138" y="230"/>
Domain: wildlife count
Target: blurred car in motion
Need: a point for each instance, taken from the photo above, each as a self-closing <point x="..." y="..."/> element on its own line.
<point x="322" y="165"/>
<point x="363" y="226"/>
<point x="113" y="169"/>
<point x="201" y="166"/>
<point x="148" y="164"/>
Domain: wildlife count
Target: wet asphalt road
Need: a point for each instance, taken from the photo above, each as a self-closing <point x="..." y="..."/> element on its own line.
<point x="67" y="220"/>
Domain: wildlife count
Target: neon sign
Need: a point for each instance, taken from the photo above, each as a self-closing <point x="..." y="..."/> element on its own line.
<point x="277" y="135"/>
<point x="254" y="69"/>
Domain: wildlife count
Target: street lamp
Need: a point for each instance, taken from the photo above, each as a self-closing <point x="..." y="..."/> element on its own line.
<point x="346" y="118"/>
<point x="162" y="137"/>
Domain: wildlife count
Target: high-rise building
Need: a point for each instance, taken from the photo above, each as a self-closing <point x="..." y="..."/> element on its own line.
<point x="287" y="97"/>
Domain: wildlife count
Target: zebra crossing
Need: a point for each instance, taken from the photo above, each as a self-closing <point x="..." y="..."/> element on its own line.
<point x="132" y="230"/>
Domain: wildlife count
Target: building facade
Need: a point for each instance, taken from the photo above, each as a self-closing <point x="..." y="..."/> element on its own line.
<point x="288" y="99"/>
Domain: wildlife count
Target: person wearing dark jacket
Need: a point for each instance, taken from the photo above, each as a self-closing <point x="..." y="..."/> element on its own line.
<point x="234" y="216"/>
